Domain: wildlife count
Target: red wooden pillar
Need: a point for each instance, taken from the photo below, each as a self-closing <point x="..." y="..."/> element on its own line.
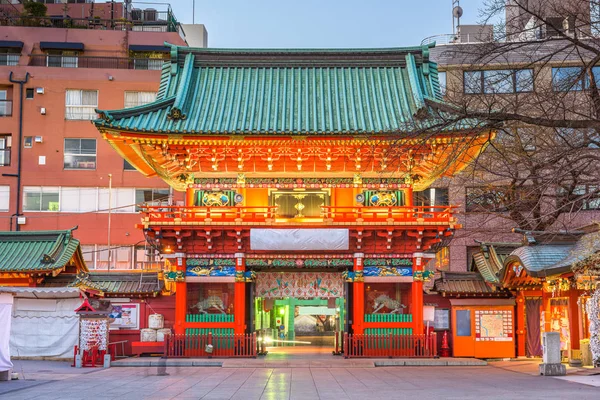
<point x="189" y="197"/>
<point x="358" y="304"/>
<point x="239" y="298"/>
<point x="520" y="329"/>
<point x="574" y="318"/>
<point x="417" y="296"/>
<point x="180" y="295"/>
<point x="547" y="326"/>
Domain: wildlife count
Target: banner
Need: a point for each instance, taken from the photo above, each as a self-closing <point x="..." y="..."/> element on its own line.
<point x="299" y="239"/>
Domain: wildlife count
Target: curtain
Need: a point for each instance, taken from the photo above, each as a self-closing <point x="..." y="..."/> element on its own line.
<point x="73" y="100"/>
<point x="81" y="104"/>
<point x="532" y="311"/>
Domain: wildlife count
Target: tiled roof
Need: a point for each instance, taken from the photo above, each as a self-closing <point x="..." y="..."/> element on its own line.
<point x="39" y="251"/>
<point x="586" y="246"/>
<point x="112" y="284"/>
<point x="466" y="283"/>
<point x="490" y="259"/>
<point x="305" y="92"/>
<point x="542" y="260"/>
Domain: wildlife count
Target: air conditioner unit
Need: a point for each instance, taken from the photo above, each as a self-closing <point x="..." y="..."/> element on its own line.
<point x="21" y="220"/>
<point x="38" y="139"/>
<point x="39" y="90"/>
<point x="136" y="14"/>
<point x="150" y="15"/>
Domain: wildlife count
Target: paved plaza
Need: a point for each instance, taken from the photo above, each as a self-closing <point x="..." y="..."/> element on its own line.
<point x="502" y="380"/>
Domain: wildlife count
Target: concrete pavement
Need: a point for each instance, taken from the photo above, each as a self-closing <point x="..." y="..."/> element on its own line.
<point x="496" y="381"/>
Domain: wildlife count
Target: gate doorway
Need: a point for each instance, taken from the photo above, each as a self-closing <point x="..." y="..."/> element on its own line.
<point x="300" y="326"/>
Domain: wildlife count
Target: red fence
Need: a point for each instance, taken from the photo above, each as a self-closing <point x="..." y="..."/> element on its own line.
<point x="409" y="346"/>
<point x="217" y="346"/>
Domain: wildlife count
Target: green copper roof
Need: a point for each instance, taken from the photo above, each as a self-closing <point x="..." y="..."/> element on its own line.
<point x="232" y="91"/>
<point x="112" y="283"/>
<point x="37" y="250"/>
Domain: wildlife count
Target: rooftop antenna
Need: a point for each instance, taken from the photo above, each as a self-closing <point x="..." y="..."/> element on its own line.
<point x="457" y="12"/>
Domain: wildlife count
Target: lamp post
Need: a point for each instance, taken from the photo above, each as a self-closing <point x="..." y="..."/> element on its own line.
<point x="109" y="216"/>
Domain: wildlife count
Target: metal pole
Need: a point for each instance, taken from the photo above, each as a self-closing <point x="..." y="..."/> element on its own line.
<point x="193" y="11"/>
<point x="20" y="145"/>
<point x="109" y="216"/>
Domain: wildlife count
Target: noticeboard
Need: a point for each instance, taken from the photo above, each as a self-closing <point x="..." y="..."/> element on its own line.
<point x="441" y="319"/>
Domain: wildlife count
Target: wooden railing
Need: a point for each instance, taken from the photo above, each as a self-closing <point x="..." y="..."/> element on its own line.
<point x="408" y="346"/>
<point x="268" y="215"/>
<point x="180" y="346"/>
<point x="390" y="214"/>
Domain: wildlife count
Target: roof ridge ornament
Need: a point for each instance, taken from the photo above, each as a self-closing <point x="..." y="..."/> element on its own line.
<point x="176" y="114"/>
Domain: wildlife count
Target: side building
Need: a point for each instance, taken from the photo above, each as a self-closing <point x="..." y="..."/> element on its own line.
<point x="54" y="73"/>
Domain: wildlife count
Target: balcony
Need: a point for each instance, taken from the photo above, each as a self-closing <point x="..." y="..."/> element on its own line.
<point x="267" y="216"/>
<point x="139" y="20"/>
<point x="6" y="108"/>
<point x="44" y="60"/>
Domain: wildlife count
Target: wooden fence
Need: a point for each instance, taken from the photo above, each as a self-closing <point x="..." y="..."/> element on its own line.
<point x="409" y="346"/>
<point x="180" y="346"/>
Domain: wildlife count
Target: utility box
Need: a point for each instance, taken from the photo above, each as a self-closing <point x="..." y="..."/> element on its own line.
<point x="552" y="365"/>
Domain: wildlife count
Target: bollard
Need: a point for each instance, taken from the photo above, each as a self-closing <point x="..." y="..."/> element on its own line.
<point x="78" y="361"/>
<point x="106" y="361"/>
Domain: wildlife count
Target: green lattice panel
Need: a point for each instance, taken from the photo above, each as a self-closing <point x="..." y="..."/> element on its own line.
<point x="388" y="317"/>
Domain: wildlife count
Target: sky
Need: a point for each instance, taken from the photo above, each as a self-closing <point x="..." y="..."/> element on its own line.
<point x="323" y="23"/>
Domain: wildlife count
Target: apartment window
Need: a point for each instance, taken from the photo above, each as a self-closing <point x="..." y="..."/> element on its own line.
<point x="567" y="79"/>
<point x="89" y="255"/>
<point x="442" y="82"/>
<point x="81" y="104"/>
<point x="499" y="199"/>
<point x="120" y="257"/>
<point x="80" y="154"/>
<point x="5" y="104"/>
<point x="29" y="93"/>
<point x="9" y="57"/>
<point x="28" y="142"/>
<point x="498" y="81"/>
<point x="135" y="99"/>
<point x="148" y="63"/>
<point x="590" y="196"/>
<point x="122" y="200"/>
<point x="4" y="198"/>
<point x="36" y="198"/>
<point x="442" y="259"/>
<point x="152" y="197"/>
<point x="5" y="146"/>
<point x="127" y="166"/>
<point x="146" y="258"/>
<point x="75" y="199"/>
<point x="431" y="197"/>
<point x="62" y="58"/>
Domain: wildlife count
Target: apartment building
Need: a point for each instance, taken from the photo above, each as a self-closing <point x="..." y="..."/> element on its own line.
<point x="536" y="62"/>
<point x="56" y="171"/>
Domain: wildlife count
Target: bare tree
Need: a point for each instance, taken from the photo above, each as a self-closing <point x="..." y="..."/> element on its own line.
<point x="533" y="78"/>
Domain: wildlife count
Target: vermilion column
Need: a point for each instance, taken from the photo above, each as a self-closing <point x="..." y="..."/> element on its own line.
<point x="417" y="296"/>
<point x="239" y="298"/>
<point x="520" y="318"/>
<point x="189" y="197"/>
<point x="574" y="318"/>
<point x="358" y="304"/>
<point x="180" y="294"/>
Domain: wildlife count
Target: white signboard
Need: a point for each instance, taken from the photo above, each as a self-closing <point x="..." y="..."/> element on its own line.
<point x="299" y="239"/>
